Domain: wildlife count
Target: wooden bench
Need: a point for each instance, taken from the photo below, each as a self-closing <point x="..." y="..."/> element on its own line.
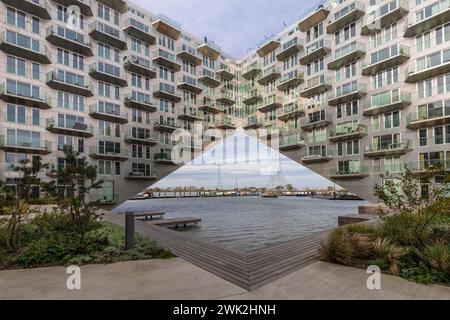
<point x="177" y="221"/>
<point x="150" y="215"/>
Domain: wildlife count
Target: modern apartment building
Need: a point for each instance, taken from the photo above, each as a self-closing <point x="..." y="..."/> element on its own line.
<point x="355" y="88"/>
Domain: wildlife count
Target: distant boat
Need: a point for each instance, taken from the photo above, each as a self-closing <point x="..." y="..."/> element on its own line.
<point x="271" y="194"/>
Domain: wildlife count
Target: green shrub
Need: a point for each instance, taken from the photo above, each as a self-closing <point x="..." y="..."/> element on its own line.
<point x="390" y="253"/>
<point x="421" y="273"/>
<point x="437" y="256"/>
<point x="338" y="248"/>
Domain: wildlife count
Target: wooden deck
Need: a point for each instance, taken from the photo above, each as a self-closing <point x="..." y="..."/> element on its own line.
<point x="249" y="270"/>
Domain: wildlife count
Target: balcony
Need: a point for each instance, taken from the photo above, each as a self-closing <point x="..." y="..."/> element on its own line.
<point x="166" y="125"/>
<point x="387" y="102"/>
<point x="84" y="5"/>
<point x="167" y="26"/>
<point x="103" y="199"/>
<point x="315" y="51"/>
<point x="290" y="48"/>
<point x="253" y="122"/>
<point x="427" y="119"/>
<point x="209" y="77"/>
<point x="269" y="74"/>
<point x="28" y="146"/>
<point x="120" y="155"/>
<point x="291" y="111"/>
<point x="139" y="30"/>
<point x="251" y="71"/>
<point x="291" y="142"/>
<point x="313" y="19"/>
<point x="69" y="128"/>
<point x="11" y="94"/>
<point x="268" y="47"/>
<point x="226" y="124"/>
<point x="210" y="106"/>
<point x="107" y="34"/>
<point x="270" y="103"/>
<point x="349" y="174"/>
<point x="421" y="166"/>
<point x="317" y="158"/>
<point x="64" y="38"/>
<point x="58" y="80"/>
<point x="348" y="93"/>
<point x="252" y="97"/>
<point x="431" y="16"/>
<point x="429" y="69"/>
<point x="385" y="15"/>
<point x="118" y="5"/>
<point x="314" y="122"/>
<point x="140" y="66"/>
<point x="164" y="158"/>
<point x="348" y="133"/>
<point x="38" y="8"/>
<point x="141" y="175"/>
<point x="189" y="54"/>
<point x="25" y="47"/>
<point x="290" y="80"/>
<point x="388" y="149"/>
<point x="166" y="92"/>
<point x="315" y="86"/>
<point x="385" y="59"/>
<point x="345" y="16"/>
<point x="100" y="112"/>
<point x="189" y="84"/>
<point x="107" y="73"/>
<point x="225" y="73"/>
<point x="347" y="54"/>
<point x="210" y="50"/>
<point x="190" y="115"/>
<point x="226" y="97"/>
<point x="140" y="138"/>
<point x="166" y="59"/>
<point x="140" y="101"/>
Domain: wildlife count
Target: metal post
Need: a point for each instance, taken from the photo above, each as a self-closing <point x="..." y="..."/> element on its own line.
<point x="129" y="231"/>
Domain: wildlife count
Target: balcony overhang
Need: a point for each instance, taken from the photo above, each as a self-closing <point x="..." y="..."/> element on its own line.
<point x="290" y="83"/>
<point x="316" y="159"/>
<point x="388" y="152"/>
<point x="118" y="5"/>
<point x="210" y="108"/>
<point x="345" y="20"/>
<point x="189" y="57"/>
<point x="25" y="101"/>
<point x="383" y="21"/>
<point x="429" y="122"/>
<point x="293" y="146"/>
<point x="349" y="136"/>
<point x="209" y="81"/>
<point x="286" y="53"/>
<point x="167" y="29"/>
<point x="108" y="117"/>
<point x="30" y="7"/>
<point x="226" y="126"/>
<point x="140" y="69"/>
<point x="164" y="127"/>
<point x="314" y="55"/>
<point x="167" y="63"/>
<point x="252" y="100"/>
<point x="394" y="106"/>
<point x="348" y="176"/>
<point x="160" y="94"/>
<point x="273" y="105"/>
<point x="56" y="40"/>
<point x="18" y="51"/>
<point x="414" y="77"/>
<point x="144" y="106"/>
<point x="189" y="87"/>
<point x="141" y="141"/>
<point x="137" y="177"/>
<point x="348" y="58"/>
<point x="25" y="148"/>
<point x="190" y="117"/>
<point x="84" y="5"/>
<point x="70" y="131"/>
<point x="315" y="125"/>
<point x="108" y="156"/>
<point x="209" y="51"/>
<point x="428" y="24"/>
<point x="67" y="87"/>
<point x="294" y="114"/>
<point x="108" y="39"/>
<point x="268" y="47"/>
<point x="273" y="75"/>
<point x="385" y="64"/>
<point x="140" y="34"/>
<point x="251" y="73"/>
<point x="318" y="89"/>
<point x="255" y="125"/>
<point x="347" y="98"/>
<point x="226" y="100"/>
<point x="227" y="75"/>
<point x="105" y="77"/>
<point x="313" y="19"/>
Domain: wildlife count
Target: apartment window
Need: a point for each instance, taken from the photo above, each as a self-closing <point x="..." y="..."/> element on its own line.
<point x="140" y="47"/>
<point x="15" y="113"/>
<point x="423" y="137"/>
<point x="15" y="18"/>
<point x="385" y="78"/>
<point x="166" y="74"/>
<point x="393" y="164"/>
<point x="108" y="129"/>
<point x="139" y="81"/>
<point x="425" y="89"/>
<point x="70" y="101"/>
<point x="376" y="123"/>
<point x="108" y="14"/>
<point x="443" y="84"/>
<point x="166" y="42"/>
<point x="350" y="31"/>
<point x="392" y="120"/>
<point x="16" y="66"/>
<point x="166" y="106"/>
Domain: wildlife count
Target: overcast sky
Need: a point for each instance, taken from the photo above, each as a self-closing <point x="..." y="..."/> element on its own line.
<point x="235" y="25"/>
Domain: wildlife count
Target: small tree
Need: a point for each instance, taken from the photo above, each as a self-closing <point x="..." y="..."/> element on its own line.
<point x="16" y="200"/>
<point x="74" y="181"/>
<point x="415" y="197"/>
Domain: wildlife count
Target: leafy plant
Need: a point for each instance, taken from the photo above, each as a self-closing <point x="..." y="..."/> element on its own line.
<point x="437" y="256"/>
<point x="390" y="253"/>
<point x="337" y="248"/>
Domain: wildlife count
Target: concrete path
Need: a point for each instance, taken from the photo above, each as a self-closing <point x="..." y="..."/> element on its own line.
<point x="177" y="279"/>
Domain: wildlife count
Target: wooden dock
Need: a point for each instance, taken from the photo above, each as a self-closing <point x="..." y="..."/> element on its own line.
<point x="249" y="270"/>
<point x="176" y="222"/>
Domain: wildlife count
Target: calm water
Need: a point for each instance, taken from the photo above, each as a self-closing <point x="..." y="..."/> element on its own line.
<point x="251" y="222"/>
